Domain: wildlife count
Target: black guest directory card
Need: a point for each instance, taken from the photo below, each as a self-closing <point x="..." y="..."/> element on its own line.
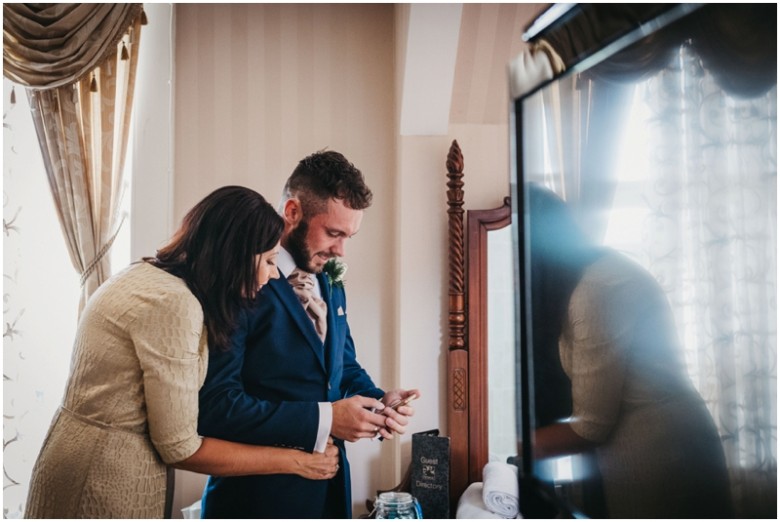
<point x="431" y="473"/>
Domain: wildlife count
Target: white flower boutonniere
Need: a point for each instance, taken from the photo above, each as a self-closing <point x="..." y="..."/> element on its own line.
<point x="335" y="270"/>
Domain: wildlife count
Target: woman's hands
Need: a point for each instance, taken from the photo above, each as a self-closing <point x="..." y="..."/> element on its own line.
<point x="318" y="466"/>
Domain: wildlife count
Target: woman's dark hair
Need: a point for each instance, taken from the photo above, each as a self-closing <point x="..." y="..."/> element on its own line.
<point x="325" y="175"/>
<point x="214" y="253"/>
<point x="559" y="253"/>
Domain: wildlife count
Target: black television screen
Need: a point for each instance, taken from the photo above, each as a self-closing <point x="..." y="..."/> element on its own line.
<point x="645" y="212"/>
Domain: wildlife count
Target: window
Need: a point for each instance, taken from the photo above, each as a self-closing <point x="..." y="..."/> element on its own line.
<point x="40" y="300"/>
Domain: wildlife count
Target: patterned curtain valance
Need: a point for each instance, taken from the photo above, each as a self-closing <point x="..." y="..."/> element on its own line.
<point x="738" y="45"/>
<point x="50" y="45"/>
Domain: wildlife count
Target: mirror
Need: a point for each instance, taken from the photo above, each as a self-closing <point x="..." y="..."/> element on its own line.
<point x="491" y="337"/>
<point x="646" y="187"/>
<point x="501" y="346"/>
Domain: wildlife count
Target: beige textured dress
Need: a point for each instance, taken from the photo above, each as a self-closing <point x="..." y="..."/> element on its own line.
<point x="131" y="403"/>
<point x="659" y="452"/>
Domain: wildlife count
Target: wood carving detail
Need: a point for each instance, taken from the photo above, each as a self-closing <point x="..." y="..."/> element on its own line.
<point x="457" y="316"/>
<point x="457" y="355"/>
<point x="459" y="389"/>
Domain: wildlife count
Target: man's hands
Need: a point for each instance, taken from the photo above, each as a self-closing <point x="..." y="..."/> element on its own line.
<point x="396" y="419"/>
<point x="363" y="417"/>
<point x="354" y="418"/>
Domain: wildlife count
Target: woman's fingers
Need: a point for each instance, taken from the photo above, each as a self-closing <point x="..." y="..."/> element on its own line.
<point x="326" y="464"/>
<point x="332" y="454"/>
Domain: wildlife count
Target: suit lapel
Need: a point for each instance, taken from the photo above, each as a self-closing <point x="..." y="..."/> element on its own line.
<point x="287" y="296"/>
<point x="327" y="297"/>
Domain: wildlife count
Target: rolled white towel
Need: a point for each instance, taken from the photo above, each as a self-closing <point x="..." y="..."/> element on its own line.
<point x="191" y="511"/>
<point x="471" y="506"/>
<point x="500" y="489"/>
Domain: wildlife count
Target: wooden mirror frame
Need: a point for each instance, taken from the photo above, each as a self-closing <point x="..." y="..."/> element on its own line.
<point x="467" y="393"/>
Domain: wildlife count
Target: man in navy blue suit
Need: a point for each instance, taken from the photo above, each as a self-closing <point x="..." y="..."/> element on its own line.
<point x="291" y="377"/>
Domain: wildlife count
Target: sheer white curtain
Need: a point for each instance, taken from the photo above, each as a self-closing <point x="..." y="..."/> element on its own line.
<point x="583" y="121"/>
<point x="78" y="63"/>
<point x="40" y="299"/>
<point x="711" y="194"/>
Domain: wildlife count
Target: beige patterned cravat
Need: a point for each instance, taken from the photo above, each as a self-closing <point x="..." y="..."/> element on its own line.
<point x="303" y="285"/>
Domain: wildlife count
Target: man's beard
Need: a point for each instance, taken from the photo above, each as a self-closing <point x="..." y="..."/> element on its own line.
<point x="298" y="249"/>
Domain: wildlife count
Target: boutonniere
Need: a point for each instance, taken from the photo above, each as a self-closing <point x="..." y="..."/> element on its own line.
<point x="334" y="271"/>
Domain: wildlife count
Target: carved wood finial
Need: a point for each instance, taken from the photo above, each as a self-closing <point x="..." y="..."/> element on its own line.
<point x="457" y="355"/>
<point x="457" y="316"/>
<point x="455" y="159"/>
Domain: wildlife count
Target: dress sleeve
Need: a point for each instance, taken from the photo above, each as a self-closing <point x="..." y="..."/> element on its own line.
<point x="599" y="333"/>
<point x="170" y="339"/>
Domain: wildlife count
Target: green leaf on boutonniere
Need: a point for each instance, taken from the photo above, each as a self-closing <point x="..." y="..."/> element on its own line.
<point x="334" y="270"/>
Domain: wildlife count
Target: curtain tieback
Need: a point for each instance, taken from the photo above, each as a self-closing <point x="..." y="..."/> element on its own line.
<point x="103" y="251"/>
<point x="558" y="66"/>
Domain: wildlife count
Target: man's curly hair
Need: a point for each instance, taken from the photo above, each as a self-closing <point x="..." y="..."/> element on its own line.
<point x="325" y="175"/>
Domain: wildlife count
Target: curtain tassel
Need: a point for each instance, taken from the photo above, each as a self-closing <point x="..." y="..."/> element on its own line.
<point x="13" y="95"/>
<point x="93" y="87"/>
<point x="125" y="54"/>
<point x="144" y="20"/>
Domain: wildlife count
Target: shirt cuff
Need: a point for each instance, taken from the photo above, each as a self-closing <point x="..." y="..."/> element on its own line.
<point x="326" y="421"/>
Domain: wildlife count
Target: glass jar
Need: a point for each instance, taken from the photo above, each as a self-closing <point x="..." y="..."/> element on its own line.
<point x="396" y="504"/>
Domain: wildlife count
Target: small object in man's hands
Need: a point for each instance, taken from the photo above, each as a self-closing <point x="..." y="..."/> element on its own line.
<point x="402" y="402"/>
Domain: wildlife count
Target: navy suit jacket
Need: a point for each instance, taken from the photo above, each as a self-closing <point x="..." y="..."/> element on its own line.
<point x="265" y="390"/>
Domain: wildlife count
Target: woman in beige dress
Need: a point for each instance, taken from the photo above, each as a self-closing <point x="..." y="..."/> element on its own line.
<point x="633" y="407"/>
<point x="140" y="357"/>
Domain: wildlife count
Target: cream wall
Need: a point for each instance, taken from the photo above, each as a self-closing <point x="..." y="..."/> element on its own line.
<point x="255" y="87"/>
<point x="258" y="87"/>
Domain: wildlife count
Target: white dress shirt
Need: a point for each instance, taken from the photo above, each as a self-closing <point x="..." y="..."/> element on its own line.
<point x="286" y="266"/>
